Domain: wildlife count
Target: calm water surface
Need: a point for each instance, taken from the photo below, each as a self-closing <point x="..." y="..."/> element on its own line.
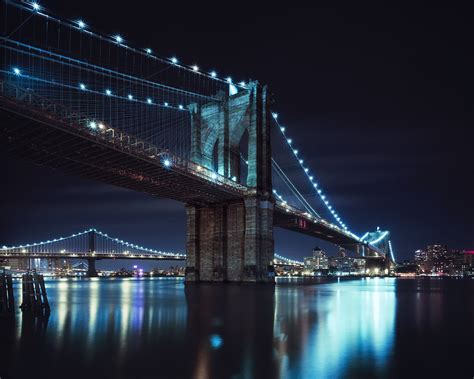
<point x="370" y="328"/>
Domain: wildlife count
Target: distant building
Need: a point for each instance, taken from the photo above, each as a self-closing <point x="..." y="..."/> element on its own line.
<point x="439" y="260"/>
<point x="433" y="259"/>
<point x="359" y="266"/>
<point x="318" y="263"/>
<point x="18" y="263"/>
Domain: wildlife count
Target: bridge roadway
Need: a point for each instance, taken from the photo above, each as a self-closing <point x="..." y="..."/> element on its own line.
<point x="50" y="135"/>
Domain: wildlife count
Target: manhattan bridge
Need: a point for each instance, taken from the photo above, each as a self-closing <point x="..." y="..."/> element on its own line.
<point x="91" y="104"/>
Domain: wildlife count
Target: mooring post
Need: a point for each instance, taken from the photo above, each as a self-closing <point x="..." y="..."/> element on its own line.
<point x="39" y="302"/>
<point x="11" y="299"/>
<point x="24" y="290"/>
<point x="43" y="293"/>
<point x="3" y="293"/>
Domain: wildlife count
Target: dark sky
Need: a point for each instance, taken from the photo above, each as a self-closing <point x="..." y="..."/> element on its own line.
<point x="379" y="101"/>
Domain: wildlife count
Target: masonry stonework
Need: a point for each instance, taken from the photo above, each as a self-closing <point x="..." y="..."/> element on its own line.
<point x="233" y="241"/>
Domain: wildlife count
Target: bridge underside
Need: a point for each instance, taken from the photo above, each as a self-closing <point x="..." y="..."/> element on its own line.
<point x="321" y="230"/>
<point x="51" y="142"/>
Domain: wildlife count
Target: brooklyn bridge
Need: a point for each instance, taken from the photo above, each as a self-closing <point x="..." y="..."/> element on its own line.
<point x="90" y="104"/>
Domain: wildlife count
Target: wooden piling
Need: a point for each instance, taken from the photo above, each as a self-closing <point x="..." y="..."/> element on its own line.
<point x="43" y="293"/>
<point x="7" y="303"/>
<point x="3" y="293"/>
<point x="34" y="294"/>
<point x="11" y="298"/>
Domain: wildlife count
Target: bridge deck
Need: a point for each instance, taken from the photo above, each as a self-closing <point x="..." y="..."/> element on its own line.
<point x="115" y="159"/>
<point x="35" y="129"/>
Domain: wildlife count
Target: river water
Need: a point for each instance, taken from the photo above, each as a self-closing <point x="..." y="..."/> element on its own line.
<point x="153" y="328"/>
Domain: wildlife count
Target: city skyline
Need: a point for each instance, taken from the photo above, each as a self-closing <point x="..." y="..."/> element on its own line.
<point x="399" y="171"/>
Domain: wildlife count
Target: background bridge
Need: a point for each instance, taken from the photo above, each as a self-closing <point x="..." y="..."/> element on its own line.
<point x="92" y="245"/>
<point x="92" y="105"/>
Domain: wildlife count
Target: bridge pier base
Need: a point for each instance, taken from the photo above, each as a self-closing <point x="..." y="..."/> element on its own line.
<point x="91" y="270"/>
<point x="231" y="242"/>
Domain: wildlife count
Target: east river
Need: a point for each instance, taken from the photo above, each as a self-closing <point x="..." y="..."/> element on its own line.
<point x="160" y="328"/>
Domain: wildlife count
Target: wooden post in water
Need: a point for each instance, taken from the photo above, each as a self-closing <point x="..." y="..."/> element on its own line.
<point x="11" y="299"/>
<point x="24" y="291"/>
<point x="3" y="293"/>
<point x="34" y="294"/>
<point x="43" y="293"/>
<point x="38" y="302"/>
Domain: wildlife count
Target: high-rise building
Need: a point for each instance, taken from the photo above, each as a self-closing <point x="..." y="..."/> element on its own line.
<point x="318" y="263"/>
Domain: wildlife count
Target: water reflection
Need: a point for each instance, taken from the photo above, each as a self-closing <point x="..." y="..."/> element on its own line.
<point x="333" y="325"/>
<point x="148" y="328"/>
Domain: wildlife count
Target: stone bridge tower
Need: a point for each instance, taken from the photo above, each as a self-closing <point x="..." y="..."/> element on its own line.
<point x="233" y="241"/>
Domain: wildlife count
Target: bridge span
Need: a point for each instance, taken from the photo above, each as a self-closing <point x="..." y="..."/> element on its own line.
<point x="186" y="134"/>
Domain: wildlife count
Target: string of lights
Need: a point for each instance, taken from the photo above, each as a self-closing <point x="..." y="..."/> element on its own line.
<point x="117" y="39"/>
<point x="278" y="257"/>
<point x="116" y="240"/>
<point x="107" y="92"/>
<point x="308" y="174"/>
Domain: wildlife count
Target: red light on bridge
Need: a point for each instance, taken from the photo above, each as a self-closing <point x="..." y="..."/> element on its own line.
<point x="303" y="224"/>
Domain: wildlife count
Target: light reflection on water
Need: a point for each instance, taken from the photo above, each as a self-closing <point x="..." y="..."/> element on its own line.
<point x="339" y="322"/>
<point x="141" y="327"/>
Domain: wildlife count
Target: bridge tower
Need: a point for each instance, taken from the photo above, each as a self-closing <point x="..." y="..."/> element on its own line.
<point x="91" y="270"/>
<point x="233" y="241"/>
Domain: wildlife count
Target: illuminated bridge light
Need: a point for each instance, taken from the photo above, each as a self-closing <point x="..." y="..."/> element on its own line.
<point x="148" y="101"/>
<point x="118" y="38"/>
<point x="213" y="74"/>
<point x="108" y="92"/>
<point x="195" y="68"/>
<point x="148" y="51"/>
<point x="81" y="24"/>
<point x="275" y="115"/>
<point x="282" y="129"/>
<point x="82" y="86"/>
<point x="180" y="107"/>
<point x="36" y="6"/>
<point x="174" y="60"/>
<point x="17" y="71"/>
<point x="92" y="125"/>
<point x="214" y="175"/>
<point x="242" y="84"/>
<point x="130" y="97"/>
<point x="167" y="163"/>
<point x="229" y="79"/>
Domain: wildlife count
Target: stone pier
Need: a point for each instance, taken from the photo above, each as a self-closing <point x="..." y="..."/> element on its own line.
<point x="233" y="241"/>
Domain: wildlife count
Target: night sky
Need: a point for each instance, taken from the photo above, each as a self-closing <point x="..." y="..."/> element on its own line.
<point x="379" y="102"/>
